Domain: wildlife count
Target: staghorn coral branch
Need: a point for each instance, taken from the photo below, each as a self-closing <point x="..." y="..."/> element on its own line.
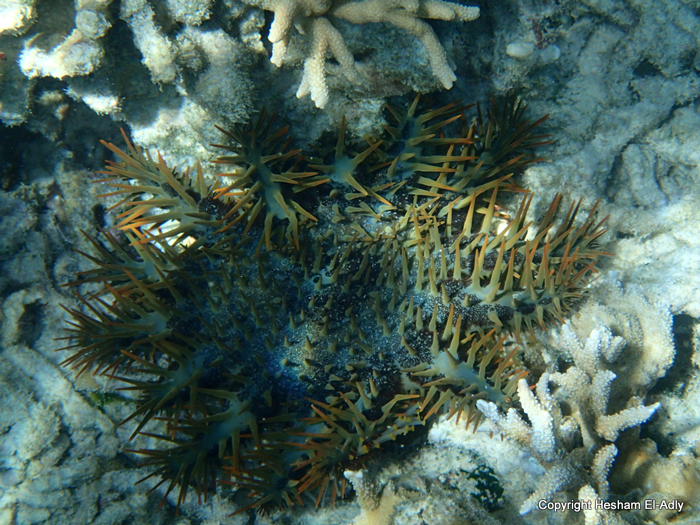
<point x="313" y="82"/>
<point x="286" y="12"/>
<point x="600" y="468"/>
<point x="594" y="514"/>
<point x="407" y="15"/>
<point x="609" y="427"/>
<point x="543" y="442"/>
<point x="558" y="476"/>
<point x="437" y="9"/>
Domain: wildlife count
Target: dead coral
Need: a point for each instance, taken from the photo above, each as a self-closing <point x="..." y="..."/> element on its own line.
<point x="312" y="17"/>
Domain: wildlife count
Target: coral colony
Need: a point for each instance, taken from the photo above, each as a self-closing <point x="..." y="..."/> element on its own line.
<point x="313" y="17"/>
<point x="307" y="312"/>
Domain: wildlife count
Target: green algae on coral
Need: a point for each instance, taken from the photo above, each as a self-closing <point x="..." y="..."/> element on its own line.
<point x="279" y="349"/>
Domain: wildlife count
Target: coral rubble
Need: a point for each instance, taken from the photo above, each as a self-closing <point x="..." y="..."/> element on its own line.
<point x="285" y="324"/>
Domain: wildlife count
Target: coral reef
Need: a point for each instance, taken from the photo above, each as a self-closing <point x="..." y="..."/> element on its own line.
<point x="314" y="17"/>
<point x="79" y="53"/>
<point x="171" y="73"/>
<point x="619" y="81"/>
<point x="582" y="427"/>
<point x="182" y="63"/>
<point x="367" y="318"/>
<point x="548" y="432"/>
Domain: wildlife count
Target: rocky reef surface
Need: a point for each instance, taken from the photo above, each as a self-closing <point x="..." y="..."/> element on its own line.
<point x="608" y="411"/>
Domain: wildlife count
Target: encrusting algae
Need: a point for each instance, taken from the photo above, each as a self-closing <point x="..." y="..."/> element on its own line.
<point x="305" y="312"/>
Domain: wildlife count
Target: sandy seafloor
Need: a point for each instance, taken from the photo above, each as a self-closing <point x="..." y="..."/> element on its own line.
<point x="620" y="80"/>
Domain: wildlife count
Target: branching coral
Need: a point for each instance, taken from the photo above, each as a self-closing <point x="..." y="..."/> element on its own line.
<point x="553" y="437"/>
<point x="646" y="327"/>
<point x="587" y="386"/>
<point x="407" y="14"/>
<point x="540" y="436"/>
<point x="233" y="312"/>
<point x="314" y="17"/>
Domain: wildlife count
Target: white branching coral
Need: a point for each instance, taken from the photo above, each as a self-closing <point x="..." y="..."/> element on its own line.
<point x="540" y="436"/>
<point x="407" y="15"/>
<point x="312" y="17"/>
<point x="586" y="386"/>
<point x="313" y="82"/>
<point x="593" y="513"/>
<point x="555" y="439"/>
<point x="644" y="325"/>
